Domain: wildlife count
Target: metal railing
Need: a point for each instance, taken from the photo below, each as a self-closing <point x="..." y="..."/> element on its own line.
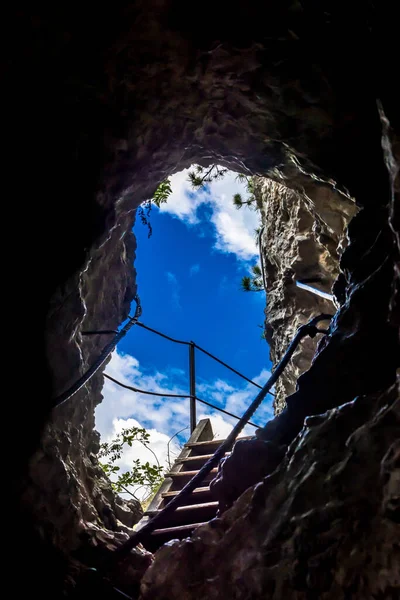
<point x="192" y="395"/>
<point x="108" y="563"/>
<point x="310" y="329"/>
<point x="192" y="347"/>
<point x="109" y="347"/>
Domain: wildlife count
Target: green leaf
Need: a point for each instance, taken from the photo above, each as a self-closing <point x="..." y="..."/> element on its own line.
<point x="237" y="201"/>
<point x="141" y="474"/>
<point x="195" y="181"/>
<point x="162" y="193"/>
<point x="241" y="178"/>
<point x="249" y="284"/>
<point x="246" y="284"/>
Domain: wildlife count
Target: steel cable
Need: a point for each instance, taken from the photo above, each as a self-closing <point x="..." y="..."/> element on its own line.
<point x="105" y="353"/>
<point x="159" y="394"/>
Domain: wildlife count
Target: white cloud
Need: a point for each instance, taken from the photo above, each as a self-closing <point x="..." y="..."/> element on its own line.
<point x="163" y="417"/>
<point x="182" y="203"/>
<point x="165" y="450"/>
<point x="194" y="269"/>
<point x="234" y="229"/>
<point x="120" y="403"/>
<point x="236" y="401"/>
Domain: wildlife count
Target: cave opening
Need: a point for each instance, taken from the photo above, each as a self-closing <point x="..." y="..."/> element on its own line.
<point x="197" y="251"/>
<point x="318" y="194"/>
<point x="118" y="99"/>
<point x="212" y="237"/>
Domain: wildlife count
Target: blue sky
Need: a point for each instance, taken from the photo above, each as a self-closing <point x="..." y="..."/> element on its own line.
<point x="188" y="276"/>
<point x="191" y="291"/>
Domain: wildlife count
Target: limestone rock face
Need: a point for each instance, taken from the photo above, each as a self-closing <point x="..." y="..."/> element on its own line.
<point x="129" y="512"/>
<point x="303" y="236"/>
<point x="66" y="485"/>
<point x="325" y="523"/>
<point x="321" y="526"/>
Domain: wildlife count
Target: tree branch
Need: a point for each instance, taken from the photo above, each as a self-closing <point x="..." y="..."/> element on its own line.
<point x="126" y="490"/>
<point x="208" y="172"/>
<point x="152" y="451"/>
<point x="169" y="441"/>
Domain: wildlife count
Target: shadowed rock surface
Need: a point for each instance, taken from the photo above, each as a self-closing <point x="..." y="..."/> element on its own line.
<point x="320" y="526"/>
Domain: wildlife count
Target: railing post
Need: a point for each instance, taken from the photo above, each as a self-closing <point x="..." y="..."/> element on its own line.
<point x="192" y="380"/>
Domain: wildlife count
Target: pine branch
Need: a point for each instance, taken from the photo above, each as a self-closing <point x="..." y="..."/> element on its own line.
<point x="198" y="182"/>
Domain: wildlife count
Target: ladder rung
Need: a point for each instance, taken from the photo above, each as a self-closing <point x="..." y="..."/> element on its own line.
<point x="188" y="473"/>
<point x="188" y="508"/>
<point x="177" y="529"/>
<point x="200" y="490"/>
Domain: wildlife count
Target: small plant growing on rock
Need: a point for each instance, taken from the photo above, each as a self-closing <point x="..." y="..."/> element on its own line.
<point x="253" y="283"/>
<point x="251" y="199"/>
<point x="142" y="475"/>
<point x="198" y="177"/>
<point x="161" y="196"/>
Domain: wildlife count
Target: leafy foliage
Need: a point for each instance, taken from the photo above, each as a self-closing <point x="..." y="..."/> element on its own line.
<point x="143" y="212"/>
<point x="162" y="193"/>
<point x="253" y="283"/>
<point x="161" y="196"/>
<point x="251" y="198"/>
<point x="198" y="177"/>
<point x="141" y="475"/>
<point x="263" y="335"/>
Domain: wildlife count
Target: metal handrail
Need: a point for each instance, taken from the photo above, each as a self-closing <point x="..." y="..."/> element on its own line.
<point x="67" y="394"/>
<point x="225" y="412"/>
<point x="159" y="394"/>
<point x="134" y="389"/>
<point x="304" y="286"/>
<point x="167" y="337"/>
<point x="221" y="362"/>
<point x="101" y="359"/>
<point x="139" y="536"/>
<point x="192" y="377"/>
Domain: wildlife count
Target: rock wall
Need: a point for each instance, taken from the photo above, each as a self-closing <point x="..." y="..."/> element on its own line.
<point x="324" y="523"/>
<point x="320" y="526"/>
<point x="303" y="237"/>
<point x="65" y="482"/>
<point x="100" y="105"/>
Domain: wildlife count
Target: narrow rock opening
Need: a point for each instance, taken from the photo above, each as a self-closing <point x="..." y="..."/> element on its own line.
<point x="100" y="106"/>
<point x="292" y="237"/>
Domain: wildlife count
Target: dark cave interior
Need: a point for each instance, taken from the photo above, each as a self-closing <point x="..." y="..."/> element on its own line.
<point x="101" y="104"/>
